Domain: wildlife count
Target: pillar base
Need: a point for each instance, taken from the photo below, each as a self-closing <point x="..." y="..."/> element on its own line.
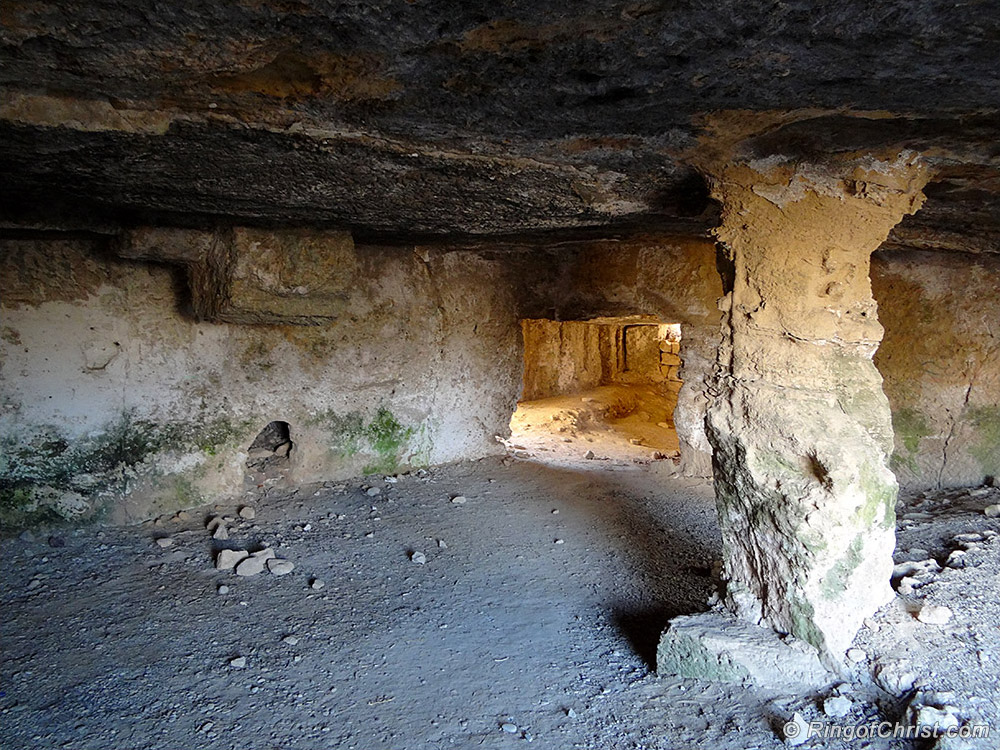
<point x="718" y="647"/>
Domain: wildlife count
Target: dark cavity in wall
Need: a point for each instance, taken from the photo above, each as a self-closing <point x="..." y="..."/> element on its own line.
<point x="271" y="449"/>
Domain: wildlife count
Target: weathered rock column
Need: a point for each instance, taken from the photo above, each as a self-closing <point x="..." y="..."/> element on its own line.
<point x="800" y="428"/>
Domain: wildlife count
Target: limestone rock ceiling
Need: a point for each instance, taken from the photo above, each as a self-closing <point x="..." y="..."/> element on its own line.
<point x="417" y="117"/>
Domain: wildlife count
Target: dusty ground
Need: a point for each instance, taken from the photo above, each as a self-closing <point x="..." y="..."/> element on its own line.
<point x="525" y="617"/>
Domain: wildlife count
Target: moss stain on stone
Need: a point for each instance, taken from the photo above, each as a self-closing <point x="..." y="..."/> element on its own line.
<point x="910" y="427"/>
<point x="100" y="465"/>
<point x="986" y="448"/>
<point x="383" y="437"/>
<point x="835" y="582"/>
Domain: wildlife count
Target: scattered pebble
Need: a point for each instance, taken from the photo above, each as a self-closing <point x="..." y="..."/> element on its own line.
<point x="856" y="655"/>
<point x="837" y="706"/>
<point x="589" y="455"/>
<point x="570" y="713"/>
<point x="250" y="566"/>
<point x="221" y="532"/>
<point x="316" y="584"/>
<point x="373" y="491"/>
<point x="164" y="541"/>
<point x="560" y="541"/>
<point x="238" y="663"/>
<point x="248" y="513"/>
<point x="291" y="640"/>
<point x="992" y="511"/>
<point x="441" y="544"/>
<point x="796" y="730"/>
<point x="227" y="559"/>
<point x="278" y="567"/>
<point x="223" y="589"/>
<point x="459" y="500"/>
<point x="934" y="614"/>
<point x="509" y="728"/>
<point x="418" y="557"/>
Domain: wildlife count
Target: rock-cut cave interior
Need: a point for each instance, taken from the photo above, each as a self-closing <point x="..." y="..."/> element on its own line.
<point x="422" y="375"/>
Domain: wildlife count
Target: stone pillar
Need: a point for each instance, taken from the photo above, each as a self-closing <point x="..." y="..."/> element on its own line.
<point x="799" y="425"/>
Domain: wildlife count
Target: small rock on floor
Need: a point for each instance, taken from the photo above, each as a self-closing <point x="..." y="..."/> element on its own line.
<point x="278" y="567"/>
<point x="373" y="491"/>
<point x="589" y="455"/>
<point x="316" y="584"/>
<point x="418" y="557"/>
<point x="238" y="663"/>
<point x="164" y="541"/>
<point x="795" y="730"/>
<point x="250" y="566"/>
<point x="291" y="640"/>
<point x="509" y="728"/>
<point x="227" y="559"/>
<point x="247" y="513"/>
<point x="934" y="614"/>
<point x="837" y="706"/>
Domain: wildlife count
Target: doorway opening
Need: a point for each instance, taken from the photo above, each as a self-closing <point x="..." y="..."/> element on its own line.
<point x="598" y="390"/>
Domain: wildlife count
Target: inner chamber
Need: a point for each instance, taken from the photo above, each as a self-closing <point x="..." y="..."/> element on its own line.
<point x="599" y="390"/>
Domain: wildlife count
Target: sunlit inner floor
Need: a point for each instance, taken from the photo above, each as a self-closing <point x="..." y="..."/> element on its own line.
<point x="608" y="423"/>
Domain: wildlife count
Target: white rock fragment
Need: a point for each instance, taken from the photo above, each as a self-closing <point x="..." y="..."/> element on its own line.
<point x="316" y="584"/>
<point x="560" y="541"/>
<point x="221" y="533"/>
<point x="856" y="655"/>
<point x="441" y="544"/>
<point x="509" y="728"/>
<point x="223" y="589"/>
<point x="796" y="730"/>
<point x="278" y="567"/>
<point x="238" y="663"/>
<point x="589" y="455"/>
<point x="894" y="677"/>
<point x="373" y="491"/>
<point x="418" y="557"/>
<point x="928" y="712"/>
<point x="571" y="713"/>
<point x="248" y="513"/>
<point x="459" y="500"/>
<point x="291" y="640"/>
<point x="227" y="559"/>
<point x="934" y="614"/>
<point x="250" y="566"/>
<point x="992" y="511"/>
<point x="837" y="706"/>
<point x="164" y="541"/>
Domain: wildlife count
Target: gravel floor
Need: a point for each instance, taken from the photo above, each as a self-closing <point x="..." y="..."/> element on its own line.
<point x="533" y="619"/>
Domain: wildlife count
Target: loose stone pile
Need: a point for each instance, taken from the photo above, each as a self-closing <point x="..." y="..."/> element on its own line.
<point x="243" y="562"/>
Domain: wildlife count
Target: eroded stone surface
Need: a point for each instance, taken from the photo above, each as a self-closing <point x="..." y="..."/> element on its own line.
<point x="720" y="648"/>
<point x="799" y="424"/>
